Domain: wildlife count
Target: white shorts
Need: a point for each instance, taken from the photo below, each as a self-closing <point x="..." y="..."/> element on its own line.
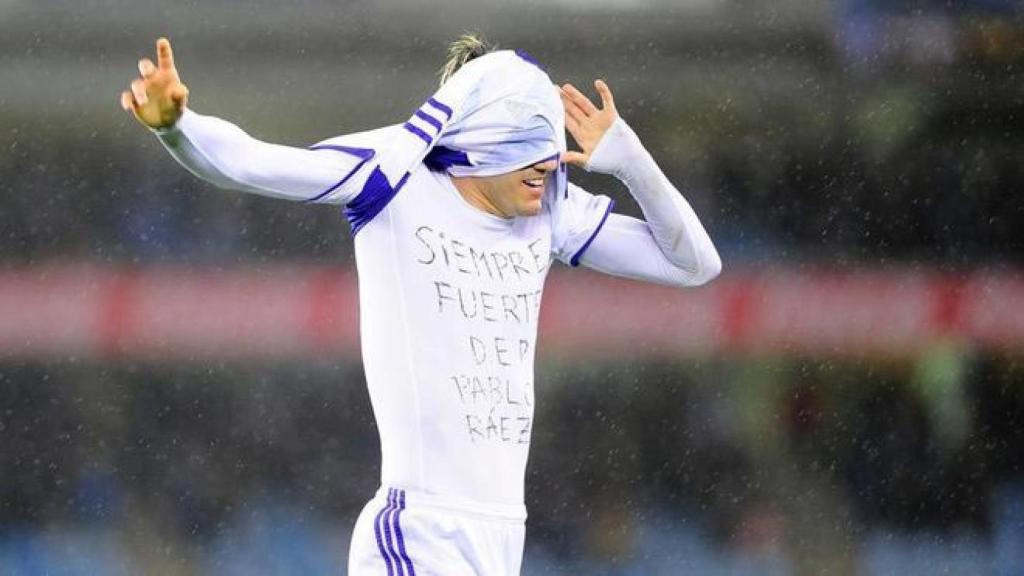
<point x="401" y="533"/>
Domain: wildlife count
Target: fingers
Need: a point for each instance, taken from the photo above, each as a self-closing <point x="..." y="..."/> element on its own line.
<point x="164" y="54"/>
<point x="607" y="102"/>
<point x="572" y="111"/>
<point x="581" y="101"/>
<point x="127" y="102"/>
<point x="139" y="91"/>
<point x="576" y="129"/>
<point x="572" y="123"/>
<point x="160" y="79"/>
<point x="146" y="67"/>
<point x="179" y="93"/>
<point x="575" y="158"/>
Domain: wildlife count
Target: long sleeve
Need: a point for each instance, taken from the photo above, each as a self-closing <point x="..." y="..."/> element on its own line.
<point x="223" y="154"/>
<point x="670" y="246"/>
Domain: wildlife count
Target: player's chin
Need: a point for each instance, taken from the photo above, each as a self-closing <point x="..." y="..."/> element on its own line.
<point x="530" y="208"/>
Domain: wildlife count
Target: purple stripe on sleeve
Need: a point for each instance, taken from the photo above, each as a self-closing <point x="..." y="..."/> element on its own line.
<point x="365" y="153"/>
<point x="447" y="111"/>
<point x="373" y="198"/>
<point x="380" y="541"/>
<point x="398" y="533"/>
<point x="440" y="158"/>
<point x="415" y="130"/>
<point x="429" y="119"/>
<point x="392" y="504"/>
<point x="575" y="260"/>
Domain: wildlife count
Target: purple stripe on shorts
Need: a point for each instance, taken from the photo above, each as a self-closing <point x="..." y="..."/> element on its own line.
<point x="392" y="505"/>
<point x="380" y="541"/>
<point x="398" y="533"/>
<point x="429" y="119"/>
<point x="415" y="130"/>
<point x="447" y="111"/>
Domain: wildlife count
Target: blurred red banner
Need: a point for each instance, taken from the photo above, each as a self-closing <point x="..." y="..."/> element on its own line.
<point x="291" y="312"/>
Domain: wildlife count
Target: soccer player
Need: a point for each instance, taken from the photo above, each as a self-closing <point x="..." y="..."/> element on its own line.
<point x="457" y="215"/>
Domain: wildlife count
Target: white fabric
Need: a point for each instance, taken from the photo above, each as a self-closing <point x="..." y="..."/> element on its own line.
<point x="449" y="299"/>
<point x="501" y="110"/>
<point x="573" y="222"/>
<point x="622" y="248"/>
<point x="450" y="294"/>
<point x="436" y="540"/>
<point x="626" y="248"/>
<point x="226" y="156"/>
<point x="510" y="115"/>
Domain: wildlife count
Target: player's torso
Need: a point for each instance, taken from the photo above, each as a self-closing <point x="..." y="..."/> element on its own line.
<point x="450" y="298"/>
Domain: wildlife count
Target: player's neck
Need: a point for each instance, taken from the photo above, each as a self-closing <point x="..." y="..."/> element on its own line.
<point x="476" y="195"/>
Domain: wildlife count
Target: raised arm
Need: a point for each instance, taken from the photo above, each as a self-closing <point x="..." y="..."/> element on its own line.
<point x="222" y="153"/>
<point x="670" y="246"/>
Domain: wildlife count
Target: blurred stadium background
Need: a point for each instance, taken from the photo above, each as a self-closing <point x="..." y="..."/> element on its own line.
<point x="180" y="387"/>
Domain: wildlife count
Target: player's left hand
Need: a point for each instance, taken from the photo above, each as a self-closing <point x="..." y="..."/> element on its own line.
<point x="587" y="123"/>
<point x="157" y="98"/>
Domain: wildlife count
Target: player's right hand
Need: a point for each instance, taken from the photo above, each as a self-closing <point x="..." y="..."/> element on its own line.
<point x="587" y="123"/>
<point x="157" y="99"/>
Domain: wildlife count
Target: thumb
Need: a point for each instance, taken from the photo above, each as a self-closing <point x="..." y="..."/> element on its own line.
<point x="576" y="158"/>
<point x="179" y="95"/>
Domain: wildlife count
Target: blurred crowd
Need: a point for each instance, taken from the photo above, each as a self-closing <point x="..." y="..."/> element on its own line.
<point x="943" y="197"/>
<point x="892" y="134"/>
<point x="788" y="466"/>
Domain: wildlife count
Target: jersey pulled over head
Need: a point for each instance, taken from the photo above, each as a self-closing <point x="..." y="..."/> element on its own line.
<point x="496" y="114"/>
<point x="510" y="117"/>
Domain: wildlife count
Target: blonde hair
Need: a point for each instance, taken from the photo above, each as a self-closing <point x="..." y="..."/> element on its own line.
<point x="465" y="48"/>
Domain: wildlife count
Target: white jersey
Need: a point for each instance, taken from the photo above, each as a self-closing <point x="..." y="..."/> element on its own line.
<point x="449" y="302"/>
<point x="449" y="295"/>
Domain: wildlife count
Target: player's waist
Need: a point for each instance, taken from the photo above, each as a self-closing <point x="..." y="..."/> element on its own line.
<point x="401" y="498"/>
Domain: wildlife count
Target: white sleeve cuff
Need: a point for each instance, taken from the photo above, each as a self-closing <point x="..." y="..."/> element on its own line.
<point x="615" y="150"/>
